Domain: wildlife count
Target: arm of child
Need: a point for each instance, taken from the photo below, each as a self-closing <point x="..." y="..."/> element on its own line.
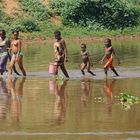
<point x="65" y="50"/>
<point x="19" y="49"/>
<point x="103" y="58"/>
<point x="8" y="43"/>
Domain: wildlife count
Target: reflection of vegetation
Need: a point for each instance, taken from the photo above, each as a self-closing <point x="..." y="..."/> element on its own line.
<point x="127" y="100"/>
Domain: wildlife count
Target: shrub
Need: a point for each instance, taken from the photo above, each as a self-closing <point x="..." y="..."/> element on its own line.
<point x="25" y="25"/>
<point x="135" y="2"/>
<point x="107" y="13"/>
<point x="35" y="9"/>
<point x="1" y="14"/>
<point x="116" y="14"/>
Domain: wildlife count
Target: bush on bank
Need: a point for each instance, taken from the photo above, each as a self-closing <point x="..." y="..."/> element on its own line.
<point x="102" y="13"/>
<point x="79" y="18"/>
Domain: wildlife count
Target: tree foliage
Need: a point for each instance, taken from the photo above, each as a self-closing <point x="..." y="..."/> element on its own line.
<point x="35" y="8"/>
<point x="25" y="25"/>
<point x="102" y="13"/>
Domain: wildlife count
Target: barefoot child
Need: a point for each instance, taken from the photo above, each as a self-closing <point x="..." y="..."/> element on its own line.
<point x="17" y="56"/>
<point x="85" y="60"/>
<point x="4" y="50"/>
<point x="108" y="55"/>
<point x="60" y="51"/>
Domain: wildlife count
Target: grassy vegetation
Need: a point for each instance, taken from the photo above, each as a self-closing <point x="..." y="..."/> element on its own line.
<point x="48" y="29"/>
<point x="121" y="17"/>
<point x="35" y="9"/>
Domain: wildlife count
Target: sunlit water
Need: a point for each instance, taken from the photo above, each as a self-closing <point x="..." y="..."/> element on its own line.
<point x="39" y="107"/>
<point x="37" y="56"/>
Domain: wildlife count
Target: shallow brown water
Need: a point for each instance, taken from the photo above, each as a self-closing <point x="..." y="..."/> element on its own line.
<point x="82" y="108"/>
<point x="38" y="56"/>
<point x="40" y="108"/>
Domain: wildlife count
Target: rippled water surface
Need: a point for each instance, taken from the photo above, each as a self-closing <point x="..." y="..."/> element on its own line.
<point x="38" y="55"/>
<point x="38" y="107"/>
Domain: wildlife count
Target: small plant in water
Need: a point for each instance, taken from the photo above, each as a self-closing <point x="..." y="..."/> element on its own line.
<point x="127" y="100"/>
<point x="60" y="79"/>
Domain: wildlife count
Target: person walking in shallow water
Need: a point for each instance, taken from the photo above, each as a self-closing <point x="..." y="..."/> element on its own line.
<point x="85" y="60"/>
<point x="4" y="48"/>
<point x="108" y="55"/>
<point x="60" y="51"/>
<point x="17" y="56"/>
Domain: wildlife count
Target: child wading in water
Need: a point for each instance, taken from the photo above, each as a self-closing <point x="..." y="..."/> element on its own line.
<point x="60" y="51"/>
<point x="17" y="56"/>
<point x="109" y="52"/>
<point x="85" y="60"/>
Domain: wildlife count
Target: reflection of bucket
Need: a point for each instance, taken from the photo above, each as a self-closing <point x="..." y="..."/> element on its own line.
<point x="52" y="86"/>
<point x="53" y="68"/>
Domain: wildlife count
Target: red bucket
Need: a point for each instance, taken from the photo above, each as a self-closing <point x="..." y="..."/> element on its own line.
<point x="52" y="68"/>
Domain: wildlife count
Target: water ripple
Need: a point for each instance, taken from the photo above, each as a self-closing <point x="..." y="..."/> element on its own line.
<point x="21" y="133"/>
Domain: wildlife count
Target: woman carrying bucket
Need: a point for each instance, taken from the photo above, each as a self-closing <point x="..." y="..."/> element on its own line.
<point x="60" y="52"/>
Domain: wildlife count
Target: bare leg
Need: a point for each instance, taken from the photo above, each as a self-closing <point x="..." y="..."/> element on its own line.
<point x="106" y="71"/>
<point x="62" y="66"/>
<point x="88" y="69"/>
<point x="91" y="73"/>
<point x="12" y="62"/>
<point x="20" y="63"/>
<point x="57" y="70"/>
<point x="83" y="66"/>
<point x="83" y="72"/>
<point x="115" y="71"/>
<point x="3" y="62"/>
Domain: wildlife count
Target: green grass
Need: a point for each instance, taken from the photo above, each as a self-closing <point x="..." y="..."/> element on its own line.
<point x="47" y="30"/>
<point x="35" y="28"/>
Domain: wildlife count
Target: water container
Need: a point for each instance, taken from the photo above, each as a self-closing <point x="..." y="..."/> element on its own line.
<point x="52" y="68"/>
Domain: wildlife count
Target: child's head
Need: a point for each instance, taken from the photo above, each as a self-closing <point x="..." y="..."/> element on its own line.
<point x="15" y="33"/>
<point x="83" y="46"/>
<point x="2" y="32"/>
<point x="57" y="34"/>
<point x="107" y="42"/>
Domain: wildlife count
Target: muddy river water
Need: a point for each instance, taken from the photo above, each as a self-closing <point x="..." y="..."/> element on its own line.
<point x="82" y="108"/>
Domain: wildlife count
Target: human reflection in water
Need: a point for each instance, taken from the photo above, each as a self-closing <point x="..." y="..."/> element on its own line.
<point x="3" y="99"/>
<point x="108" y="88"/>
<point x="15" y="91"/>
<point x="86" y="90"/>
<point x="60" y="105"/>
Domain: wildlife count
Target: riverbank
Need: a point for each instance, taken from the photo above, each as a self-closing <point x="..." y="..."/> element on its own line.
<point x="80" y="38"/>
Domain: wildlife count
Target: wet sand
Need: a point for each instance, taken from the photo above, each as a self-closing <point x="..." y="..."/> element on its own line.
<point x="76" y="74"/>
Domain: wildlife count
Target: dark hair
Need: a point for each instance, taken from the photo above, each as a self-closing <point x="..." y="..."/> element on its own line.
<point x="3" y="31"/>
<point x="109" y="41"/>
<point x="84" y="45"/>
<point x="15" y="31"/>
<point x="57" y="33"/>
